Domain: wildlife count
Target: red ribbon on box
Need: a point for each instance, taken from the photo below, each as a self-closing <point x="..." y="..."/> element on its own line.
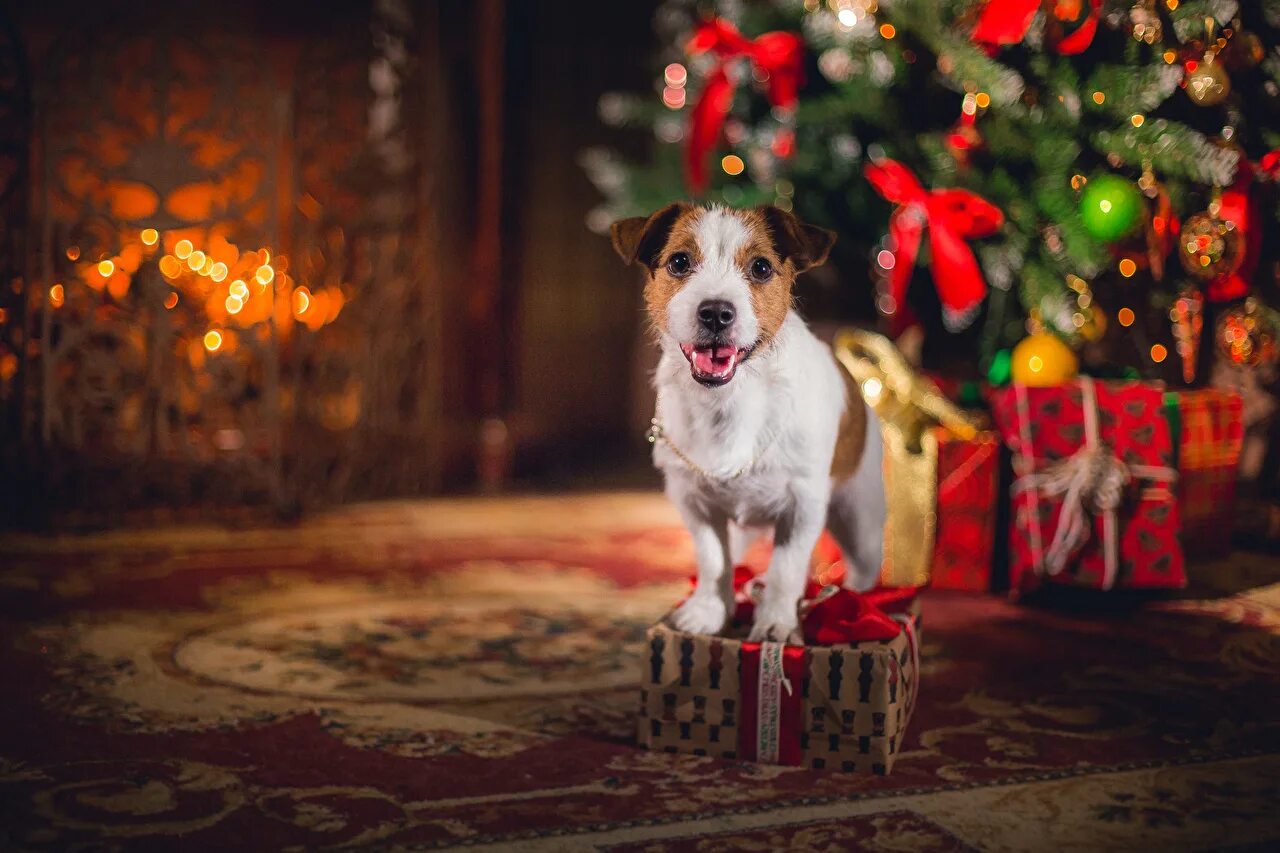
<point x="777" y="56"/>
<point x="772" y="673"/>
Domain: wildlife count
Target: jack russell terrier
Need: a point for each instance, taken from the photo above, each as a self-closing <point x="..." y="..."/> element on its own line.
<point x="756" y="424"/>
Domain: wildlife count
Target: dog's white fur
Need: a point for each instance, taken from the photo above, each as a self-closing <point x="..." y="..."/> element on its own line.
<point x="780" y="415"/>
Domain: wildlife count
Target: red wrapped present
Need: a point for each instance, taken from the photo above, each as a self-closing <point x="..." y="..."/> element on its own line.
<point x="1208" y="429"/>
<point x="1093" y="497"/>
<point x="965" y="532"/>
<point x="841" y="701"/>
<point x="940" y="471"/>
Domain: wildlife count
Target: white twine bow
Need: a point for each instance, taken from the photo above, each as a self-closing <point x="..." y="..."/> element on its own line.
<point x="1090" y="482"/>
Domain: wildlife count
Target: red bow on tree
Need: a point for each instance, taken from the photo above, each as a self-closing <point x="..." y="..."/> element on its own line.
<point x="777" y="58"/>
<point x="1007" y="22"/>
<point x="953" y="216"/>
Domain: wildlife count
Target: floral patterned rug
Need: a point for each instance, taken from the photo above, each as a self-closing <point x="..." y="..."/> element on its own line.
<point x="423" y="675"/>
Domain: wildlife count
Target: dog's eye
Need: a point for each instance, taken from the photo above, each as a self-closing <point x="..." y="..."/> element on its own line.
<point x="761" y="269"/>
<point x="679" y="264"/>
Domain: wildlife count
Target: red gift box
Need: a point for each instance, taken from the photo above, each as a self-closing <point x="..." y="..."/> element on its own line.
<point x="1094" y="501"/>
<point x="964" y="539"/>
<point x="1208" y="427"/>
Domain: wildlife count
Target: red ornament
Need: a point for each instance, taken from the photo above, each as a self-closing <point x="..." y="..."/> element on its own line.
<point x="953" y="216"/>
<point x="964" y="139"/>
<point x="1236" y="206"/>
<point x="1269" y="165"/>
<point x="777" y="58"/>
<point x="784" y="143"/>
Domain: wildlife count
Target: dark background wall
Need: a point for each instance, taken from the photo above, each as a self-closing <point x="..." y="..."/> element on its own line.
<point x="577" y="332"/>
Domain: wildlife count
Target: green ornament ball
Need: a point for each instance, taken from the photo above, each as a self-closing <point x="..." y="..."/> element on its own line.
<point x="1001" y="369"/>
<point x="1110" y="207"/>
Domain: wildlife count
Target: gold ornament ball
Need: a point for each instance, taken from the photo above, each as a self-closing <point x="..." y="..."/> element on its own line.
<point x="1246" y="336"/>
<point x="1043" y="360"/>
<point x="1208" y="84"/>
<point x="1210" y="247"/>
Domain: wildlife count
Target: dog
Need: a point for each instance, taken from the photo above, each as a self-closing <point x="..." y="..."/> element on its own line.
<point x="756" y="425"/>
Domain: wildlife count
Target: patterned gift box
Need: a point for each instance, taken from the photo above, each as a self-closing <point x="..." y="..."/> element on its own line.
<point x="1093" y="499"/>
<point x="842" y="707"/>
<point x="1208" y="427"/>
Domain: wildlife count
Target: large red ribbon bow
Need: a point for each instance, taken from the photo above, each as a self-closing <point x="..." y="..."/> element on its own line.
<point x="1008" y="21"/>
<point x="953" y="216"/>
<point x="775" y="56"/>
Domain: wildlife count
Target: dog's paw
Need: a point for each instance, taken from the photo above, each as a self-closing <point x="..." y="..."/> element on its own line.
<point x="701" y="614"/>
<point x="776" y="626"/>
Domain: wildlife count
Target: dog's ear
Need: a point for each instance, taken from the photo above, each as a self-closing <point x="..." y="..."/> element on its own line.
<point x="640" y="238"/>
<point x="805" y="245"/>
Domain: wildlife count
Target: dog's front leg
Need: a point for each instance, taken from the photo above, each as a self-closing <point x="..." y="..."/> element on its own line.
<point x="708" y="609"/>
<point x="797" y="533"/>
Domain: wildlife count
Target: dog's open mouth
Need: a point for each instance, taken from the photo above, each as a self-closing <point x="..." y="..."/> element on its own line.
<point x="714" y="364"/>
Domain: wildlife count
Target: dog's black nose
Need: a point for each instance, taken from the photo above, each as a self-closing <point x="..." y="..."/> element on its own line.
<point x="716" y="315"/>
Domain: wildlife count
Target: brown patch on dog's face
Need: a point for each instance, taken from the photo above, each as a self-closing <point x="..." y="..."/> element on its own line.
<point x="789" y="247"/>
<point x="664" y="283"/>
<point x="770" y="294"/>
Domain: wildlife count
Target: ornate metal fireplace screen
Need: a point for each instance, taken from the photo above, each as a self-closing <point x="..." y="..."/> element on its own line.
<point x="224" y="297"/>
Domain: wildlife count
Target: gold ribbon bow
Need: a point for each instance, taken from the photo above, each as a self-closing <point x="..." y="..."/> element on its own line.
<point x="909" y="407"/>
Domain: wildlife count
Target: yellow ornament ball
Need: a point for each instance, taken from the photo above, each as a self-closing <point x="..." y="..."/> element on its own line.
<point x="1042" y="360"/>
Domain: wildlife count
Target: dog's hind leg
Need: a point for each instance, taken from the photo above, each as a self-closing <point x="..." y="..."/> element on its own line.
<point x="857" y="513"/>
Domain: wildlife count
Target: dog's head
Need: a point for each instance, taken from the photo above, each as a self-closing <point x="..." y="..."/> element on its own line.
<point x="720" y="280"/>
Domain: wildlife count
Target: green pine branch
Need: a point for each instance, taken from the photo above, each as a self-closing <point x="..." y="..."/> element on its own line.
<point x="1127" y="90"/>
<point x="967" y="64"/>
<point x="1173" y="149"/>
<point x="1188" y="18"/>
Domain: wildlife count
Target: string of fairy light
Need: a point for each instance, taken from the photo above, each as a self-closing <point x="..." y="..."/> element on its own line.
<point x="237" y="290"/>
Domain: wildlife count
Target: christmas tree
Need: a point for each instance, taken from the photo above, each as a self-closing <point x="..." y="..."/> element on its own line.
<point x="1097" y="175"/>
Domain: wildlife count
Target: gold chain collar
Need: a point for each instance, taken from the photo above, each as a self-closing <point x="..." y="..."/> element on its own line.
<point x="656" y="433"/>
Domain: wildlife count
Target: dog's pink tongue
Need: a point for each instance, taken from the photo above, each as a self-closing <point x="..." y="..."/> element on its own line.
<point x="715" y="361"/>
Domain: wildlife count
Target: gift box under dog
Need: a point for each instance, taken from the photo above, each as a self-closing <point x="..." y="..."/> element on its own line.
<point x="842" y="707"/>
